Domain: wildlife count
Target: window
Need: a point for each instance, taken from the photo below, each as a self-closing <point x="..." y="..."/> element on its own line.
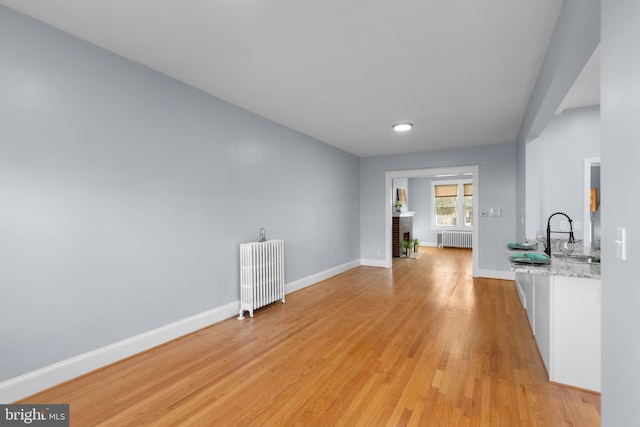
<point x="452" y="204"/>
<point x="468" y="204"/>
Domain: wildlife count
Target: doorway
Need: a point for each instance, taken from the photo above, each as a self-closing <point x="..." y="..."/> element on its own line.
<point x="471" y="170"/>
<point x="591" y="208"/>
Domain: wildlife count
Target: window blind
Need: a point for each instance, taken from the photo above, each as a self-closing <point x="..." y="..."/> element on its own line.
<point x="447" y="190"/>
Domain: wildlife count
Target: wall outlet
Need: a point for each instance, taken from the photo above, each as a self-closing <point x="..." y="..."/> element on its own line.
<point x="564" y="225"/>
<point x="577" y="225"/>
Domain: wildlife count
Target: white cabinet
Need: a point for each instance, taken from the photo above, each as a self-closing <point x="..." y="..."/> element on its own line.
<point x="564" y="314"/>
<point x="542" y="317"/>
<point x="576" y="332"/>
<point x="520" y="278"/>
<point x="526" y="293"/>
<point x="529" y="292"/>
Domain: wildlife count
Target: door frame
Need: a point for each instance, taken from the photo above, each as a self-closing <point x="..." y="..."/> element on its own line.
<point x="427" y="173"/>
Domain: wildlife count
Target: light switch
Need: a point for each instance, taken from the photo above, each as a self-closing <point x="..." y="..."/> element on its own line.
<point x="495" y="212"/>
<point x="621" y="243"/>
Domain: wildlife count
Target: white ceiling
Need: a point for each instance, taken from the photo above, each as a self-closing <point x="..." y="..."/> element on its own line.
<point x="586" y="89"/>
<point x="340" y="71"/>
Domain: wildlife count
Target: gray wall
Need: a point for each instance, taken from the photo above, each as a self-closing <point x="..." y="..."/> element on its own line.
<point x="558" y="167"/>
<point x="497" y="190"/>
<point x="400" y="183"/>
<point x="576" y="36"/>
<point x="125" y="195"/>
<point x="421" y="203"/>
<point x="620" y="110"/>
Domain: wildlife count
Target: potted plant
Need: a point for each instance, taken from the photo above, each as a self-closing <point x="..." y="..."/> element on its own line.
<point x="398" y="205"/>
<point x="416" y="243"/>
<point x="407" y="247"/>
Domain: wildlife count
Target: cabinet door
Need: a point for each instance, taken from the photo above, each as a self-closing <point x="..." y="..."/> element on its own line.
<point x="576" y="339"/>
<point x="530" y="298"/>
<point x="526" y="293"/>
<point x="520" y="279"/>
<point x="542" y="317"/>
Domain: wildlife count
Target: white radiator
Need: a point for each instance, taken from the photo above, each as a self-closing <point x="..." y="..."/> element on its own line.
<point x="261" y="274"/>
<point x="455" y="239"/>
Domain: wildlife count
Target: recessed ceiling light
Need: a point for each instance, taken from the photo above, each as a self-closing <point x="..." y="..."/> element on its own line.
<point x="402" y="127"/>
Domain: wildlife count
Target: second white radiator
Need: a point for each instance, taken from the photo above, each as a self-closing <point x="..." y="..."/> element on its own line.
<point x="455" y="239"/>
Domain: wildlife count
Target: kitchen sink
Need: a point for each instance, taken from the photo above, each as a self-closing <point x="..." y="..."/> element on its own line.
<point x="586" y="259"/>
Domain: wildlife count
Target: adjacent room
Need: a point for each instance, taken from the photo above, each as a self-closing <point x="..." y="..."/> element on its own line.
<point x="439" y="212"/>
<point x="395" y="150"/>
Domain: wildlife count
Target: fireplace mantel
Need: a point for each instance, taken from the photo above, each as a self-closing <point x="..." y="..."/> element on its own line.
<point x="404" y="213"/>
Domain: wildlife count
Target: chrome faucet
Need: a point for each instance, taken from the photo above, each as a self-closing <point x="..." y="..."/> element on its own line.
<point x="571" y="238"/>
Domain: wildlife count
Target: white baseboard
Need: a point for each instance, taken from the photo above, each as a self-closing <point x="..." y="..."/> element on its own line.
<point x="49" y="376"/>
<point x="373" y="262"/>
<point x="495" y="274"/>
<point x="429" y="244"/>
<point x="318" y="277"/>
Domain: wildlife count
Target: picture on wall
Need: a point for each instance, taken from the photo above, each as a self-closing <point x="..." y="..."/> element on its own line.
<point x="402" y="197"/>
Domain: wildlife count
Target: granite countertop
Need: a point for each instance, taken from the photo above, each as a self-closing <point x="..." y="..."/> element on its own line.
<point x="558" y="268"/>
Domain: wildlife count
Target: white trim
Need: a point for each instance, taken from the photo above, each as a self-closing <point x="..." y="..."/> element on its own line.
<point x="429" y="244"/>
<point x="496" y="274"/>
<point x="35" y="381"/>
<point x="318" y="277"/>
<point x="426" y="173"/>
<point x="49" y="376"/>
<point x="373" y="262"/>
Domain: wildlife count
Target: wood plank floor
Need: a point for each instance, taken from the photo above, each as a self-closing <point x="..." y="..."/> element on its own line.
<point x="422" y="344"/>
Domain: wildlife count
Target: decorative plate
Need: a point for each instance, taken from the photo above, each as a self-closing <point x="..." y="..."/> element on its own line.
<point x="531" y="258"/>
<point x="522" y="246"/>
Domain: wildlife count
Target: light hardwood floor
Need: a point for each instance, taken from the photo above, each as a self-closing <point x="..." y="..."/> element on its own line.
<point x="422" y="344"/>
